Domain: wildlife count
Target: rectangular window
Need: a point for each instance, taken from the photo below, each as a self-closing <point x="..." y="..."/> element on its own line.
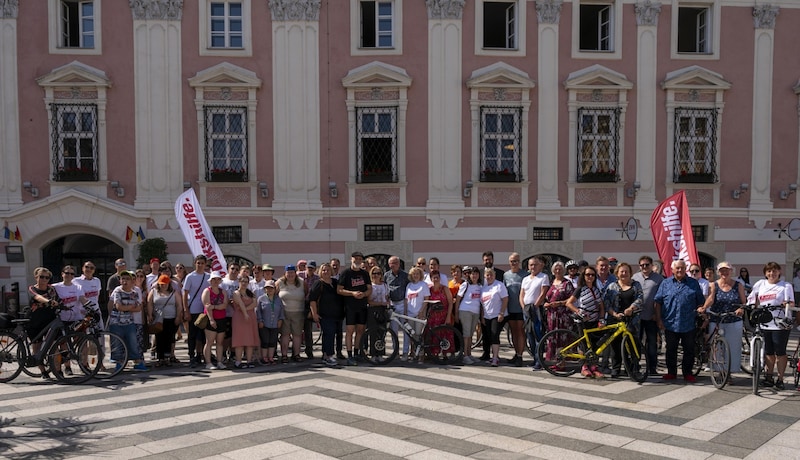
<point x="379" y="232"/>
<point x="501" y="138"/>
<point x="695" y="145"/>
<point x="548" y="233"/>
<point x="694" y="27"/>
<point x="226" y="144"/>
<point x="74" y="142"/>
<point x="598" y="144"/>
<point x="500" y="25"/>
<point x="596" y="27"/>
<point x="700" y="233"/>
<point x="228" y="235"/>
<point x="377" y="24"/>
<point x="376" y="141"/>
<point x="77" y="24"/>
<point x="225" y="25"/>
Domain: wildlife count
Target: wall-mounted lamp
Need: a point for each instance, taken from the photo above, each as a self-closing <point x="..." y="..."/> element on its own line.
<point x="333" y="190"/>
<point x="28" y="185"/>
<point x="187" y="185"/>
<point x="468" y="189"/>
<point x="117" y="188"/>
<point x="632" y="191"/>
<point x="786" y="193"/>
<point x="738" y="192"/>
<point x="263" y="189"/>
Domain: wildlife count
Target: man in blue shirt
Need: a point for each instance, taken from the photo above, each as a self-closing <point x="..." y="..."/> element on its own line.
<point x="676" y="302"/>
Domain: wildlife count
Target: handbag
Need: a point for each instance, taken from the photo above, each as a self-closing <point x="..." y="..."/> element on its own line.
<point x="202" y="321"/>
<point x="157" y="325"/>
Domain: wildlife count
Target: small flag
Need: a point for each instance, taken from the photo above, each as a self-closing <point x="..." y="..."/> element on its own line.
<point x="7" y="233"/>
<point x="140" y="233"/>
<point x="18" y="235"/>
<point x="128" y="235"/>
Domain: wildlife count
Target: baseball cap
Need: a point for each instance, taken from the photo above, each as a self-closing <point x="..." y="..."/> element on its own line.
<point x="290" y="268"/>
<point x="269" y="283"/>
<point x="267" y="267"/>
<point x="357" y="254"/>
<point x="156" y="260"/>
<point x="215" y="274"/>
<point x="724" y="264"/>
<point x="302" y="262"/>
<point x="164" y="279"/>
<point x="312" y="264"/>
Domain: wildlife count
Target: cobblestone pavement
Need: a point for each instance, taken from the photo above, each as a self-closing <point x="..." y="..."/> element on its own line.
<point x="404" y="410"/>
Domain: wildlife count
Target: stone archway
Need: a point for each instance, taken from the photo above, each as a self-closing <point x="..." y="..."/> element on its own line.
<point x="75" y="249"/>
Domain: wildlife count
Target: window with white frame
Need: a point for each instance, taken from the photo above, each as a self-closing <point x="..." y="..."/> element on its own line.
<point x="377" y="24"/>
<point x="500" y="142"/>
<point x="74" y="142"/>
<point x="695" y="145"/>
<point x="77" y="23"/>
<point x="596" y="27"/>
<point x="226" y="143"/>
<point x="598" y="144"/>
<point x="500" y="25"/>
<point x="226" y="25"/>
<point x="694" y="29"/>
<point x="376" y="144"/>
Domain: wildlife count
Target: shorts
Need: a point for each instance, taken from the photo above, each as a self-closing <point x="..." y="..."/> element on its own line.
<point x="356" y="316"/>
<point x="468" y="322"/>
<point x="293" y="323"/>
<point x="268" y="337"/>
<point x="775" y="342"/>
<point x="514" y="317"/>
<point x="223" y="326"/>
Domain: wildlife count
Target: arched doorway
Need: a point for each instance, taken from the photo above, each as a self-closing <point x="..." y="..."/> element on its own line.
<point x="75" y="250"/>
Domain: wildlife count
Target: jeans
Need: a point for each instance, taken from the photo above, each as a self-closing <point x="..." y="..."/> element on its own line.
<point x="127" y="333"/>
<point x="686" y="340"/>
<point x="329" y="327"/>
<point x="649" y="329"/>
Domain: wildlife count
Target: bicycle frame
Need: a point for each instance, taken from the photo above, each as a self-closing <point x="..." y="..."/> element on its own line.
<point x="416" y="337"/>
<point x="619" y="328"/>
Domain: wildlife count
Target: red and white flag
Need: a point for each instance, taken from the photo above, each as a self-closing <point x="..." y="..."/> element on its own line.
<point x="197" y="232"/>
<point x="672" y="232"/>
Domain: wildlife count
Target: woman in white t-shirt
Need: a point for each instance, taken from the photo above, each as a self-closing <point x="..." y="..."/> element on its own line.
<point x="417" y="292"/>
<point x="91" y="286"/>
<point x="468" y="308"/>
<point x="494" y="297"/>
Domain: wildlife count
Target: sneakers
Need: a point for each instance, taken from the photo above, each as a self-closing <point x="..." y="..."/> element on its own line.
<point x="779" y="385"/>
<point x="330" y="361"/>
<point x="352" y="362"/>
<point x="516" y="361"/>
<point x="211" y="367"/>
<point x="467" y="360"/>
<point x="340" y="356"/>
<point x="221" y="366"/>
<point x="494" y="362"/>
<point x="668" y="377"/>
<point x="118" y="367"/>
<point x="140" y="368"/>
<point x="402" y="357"/>
<point x="767" y="382"/>
<point x="690" y="378"/>
<point x="537" y="366"/>
<point x="485" y="357"/>
<point x="68" y="371"/>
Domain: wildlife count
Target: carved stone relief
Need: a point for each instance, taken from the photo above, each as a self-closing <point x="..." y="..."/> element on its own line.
<point x="445" y="9"/>
<point x="647" y="13"/>
<point x="228" y="196"/>
<point x="764" y="16"/>
<point x="700" y="197"/>
<point x="548" y="11"/>
<point x="9" y="9"/>
<point x="499" y="197"/>
<point x="167" y="10"/>
<point x="379" y="197"/>
<point x="595" y="197"/>
<point x="294" y="10"/>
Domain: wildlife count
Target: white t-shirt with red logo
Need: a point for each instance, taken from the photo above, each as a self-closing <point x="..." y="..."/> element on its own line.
<point x="492" y="297"/>
<point x="470" y="295"/>
<point x="415" y="297"/>
<point x="91" y="289"/>
<point x="71" y="295"/>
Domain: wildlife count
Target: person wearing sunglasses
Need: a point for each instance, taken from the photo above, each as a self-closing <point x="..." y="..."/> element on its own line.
<point x="71" y="295"/>
<point x="91" y="286"/>
<point x="587" y="301"/>
<point x="697" y="273"/>
<point x="648" y="330"/>
<point x="43" y="298"/>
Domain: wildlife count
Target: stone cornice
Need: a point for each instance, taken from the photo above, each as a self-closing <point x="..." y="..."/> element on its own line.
<point x="445" y="9"/>
<point x="9" y="9"/>
<point x="647" y="13"/>
<point x="294" y="10"/>
<point x="764" y="16"/>
<point x="548" y="11"/>
<point x="165" y="10"/>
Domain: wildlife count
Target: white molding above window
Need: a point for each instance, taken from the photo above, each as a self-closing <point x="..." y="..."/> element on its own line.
<point x="204" y="28"/>
<point x="55" y="30"/>
<point x="520" y="32"/>
<point x="714" y="7"/>
<point x="355" y="31"/>
<point x="616" y="31"/>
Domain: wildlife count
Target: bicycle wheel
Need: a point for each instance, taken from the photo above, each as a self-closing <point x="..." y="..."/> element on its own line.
<point x="756" y="354"/>
<point x="700" y="353"/>
<point x="634" y="358"/>
<point x="113" y="354"/>
<point x="379" y="346"/>
<point x="444" y="345"/>
<point x="562" y="352"/>
<point x="12" y="356"/>
<point x="795" y="372"/>
<point x="746" y="337"/>
<point x="719" y="360"/>
<point x="75" y="358"/>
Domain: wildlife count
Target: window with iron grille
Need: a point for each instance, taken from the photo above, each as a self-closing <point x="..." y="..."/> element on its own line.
<point x="548" y="233"/>
<point x="226" y="143"/>
<point x="226" y="25"/>
<point x="598" y="144"/>
<point x="379" y="232"/>
<point x="596" y="27"/>
<point x="500" y="25"/>
<point x="501" y="139"/>
<point x="694" y="30"/>
<point x="227" y="235"/>
<point x="695" y="145"/>
<point x="73" y="132"/>
<point x="77" y="24"/>
<point x="376" y="143"/>
<point x="700" y="233"/>
<point x="377" y="24"/>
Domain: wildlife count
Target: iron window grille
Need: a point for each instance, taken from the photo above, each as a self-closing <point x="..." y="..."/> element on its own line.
<point x="376" y="144"/>
<point x="228" y="234"/>
<point x="226" y="143"/>
<point x="500" y="25"/>
<point x="695" y="146"/>
<point x="501" y="140"/>
<point x="226" y="25"/>
<point x="548" y="233"/>
<point x="77" y="24"/>
<point x="379" y="232"/>
<point x="377" y="24"/>
<point x="73" y="132"/>
<point x="598" y="144"/>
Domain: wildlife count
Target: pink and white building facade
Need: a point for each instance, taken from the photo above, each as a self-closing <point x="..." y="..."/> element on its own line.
<point x="313" y="128"/>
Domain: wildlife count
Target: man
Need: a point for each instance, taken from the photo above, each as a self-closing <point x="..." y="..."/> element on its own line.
<point x="268" y="271"/>
<point x="433" y="264"/>
<point x="697" y="273"/>
<point x="193" y="286"/>
<point x="676" y="302"/>
<point x="335" y="264"/>
<point x="514" y="316"/>
<point x="113" y="282"/>
<point x="396" y="280"/>
<point x="650" y="281"/>
<point x="355" y="286"/>
<point x="604" y="276"/>
<point x="613" y="262"/>
<point x="91" y="286"/>
<point x="309" y="277"/>
<point x="488" y="262"/>
<point x="335" y="267"/>
<point x="151" y="277"/>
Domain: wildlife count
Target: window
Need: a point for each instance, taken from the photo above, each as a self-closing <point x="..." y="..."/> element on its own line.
<point x="700" y="233"/>
<point x="693" y="30"/>
<point x="596" y="27"/>
<point x="74" y="136"/>
<point x="228" y="235"/>
<point x="695" y="145"/>
<point x="501" y="138"/>
<point x="377" y="24"/>
<point x="548" y="233"/>
<point x="598" y="139"/>
<point x="379" y="232"/>
<point x="225" y="25"/>
<point x="376" y="141"/>
<point x="77" y="24"/>
<point x="226" y="144"/>
<point x="500" y="25"/>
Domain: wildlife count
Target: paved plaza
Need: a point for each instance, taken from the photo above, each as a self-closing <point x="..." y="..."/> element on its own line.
<point x="404" y="410"/>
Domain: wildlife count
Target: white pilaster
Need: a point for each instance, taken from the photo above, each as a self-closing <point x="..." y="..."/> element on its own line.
<point x="549" y="13"/>
<point x="10" y="181"/>
<point x="296" y="115"/>
<point x="158" y="108"/>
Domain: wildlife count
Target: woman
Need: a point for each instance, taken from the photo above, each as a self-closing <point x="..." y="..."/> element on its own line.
<point x="327" y="310"/>
<point x="141" y="318"/>
<point x="91" y="286"/>
<point x="624" y="297"/>
<point x="215" y="300"/>
<point x="417" y="292"/>
<point x="587" y="301"/>
<point x="126" y="301"/>
<point x="433" y="264"/>
<point x="468" y="308"/>
<point x="244" y="338"/>
<point x="166" y="302"/>
<point x="726" y="294"/>
<point x="444" y="313"/>
<point x="270" y="317"/>
<point x="44" y="299"/>
<point x="555" y="304"/>
<point x="773" y="292"/>
<point x="744" y="278"/>
<point x="494" y="297"/>
<point x="180" y="275"/>
<point x="291" y="290"/>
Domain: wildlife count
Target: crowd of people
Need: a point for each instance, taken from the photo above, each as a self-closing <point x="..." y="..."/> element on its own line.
<point x="248" y="317"/>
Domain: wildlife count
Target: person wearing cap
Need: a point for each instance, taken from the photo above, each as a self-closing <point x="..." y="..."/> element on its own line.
<point x="292" y="291"/>
<point x="268" y="271"/>
<point x="193" y="286"/>
<point x="468" y="308"/>
<point x="309" y="277"/>
<point x="355" y="287"/>
<point x="725" y="296"/>
<point x="270" y="317"/>
<point x="164" y="301"/>
<point x="215" y="301"/>
<point x="648" y="327"/>
<point x="126" y="301"/>
<point x="613" y="262"/>
<point x="571" y="274"/>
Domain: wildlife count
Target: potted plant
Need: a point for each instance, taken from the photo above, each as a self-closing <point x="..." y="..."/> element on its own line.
<point x="598" y="176"/>
<point x="227" y="175"/>
<point x="490" y="175"/>
<point x="74" y="173"/>
<point x="696" y="178"/>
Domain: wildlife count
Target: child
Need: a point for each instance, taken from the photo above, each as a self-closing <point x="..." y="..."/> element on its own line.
<point x="269" y="314"/>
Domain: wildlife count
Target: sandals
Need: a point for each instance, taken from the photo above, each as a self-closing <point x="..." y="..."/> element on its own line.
<point x="284" y="359"/>
<point x="585" y="371"/>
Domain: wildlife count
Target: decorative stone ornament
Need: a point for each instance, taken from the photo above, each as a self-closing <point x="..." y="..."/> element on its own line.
<point x="164" y="10"/>
<point x="294" y="10"/>
<point x="445" y="9"/>
<point x="647" y="13"/>
<point x="764" y="16"/>
<point x="9" y="9"/>
<point x="548" y="11"/>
